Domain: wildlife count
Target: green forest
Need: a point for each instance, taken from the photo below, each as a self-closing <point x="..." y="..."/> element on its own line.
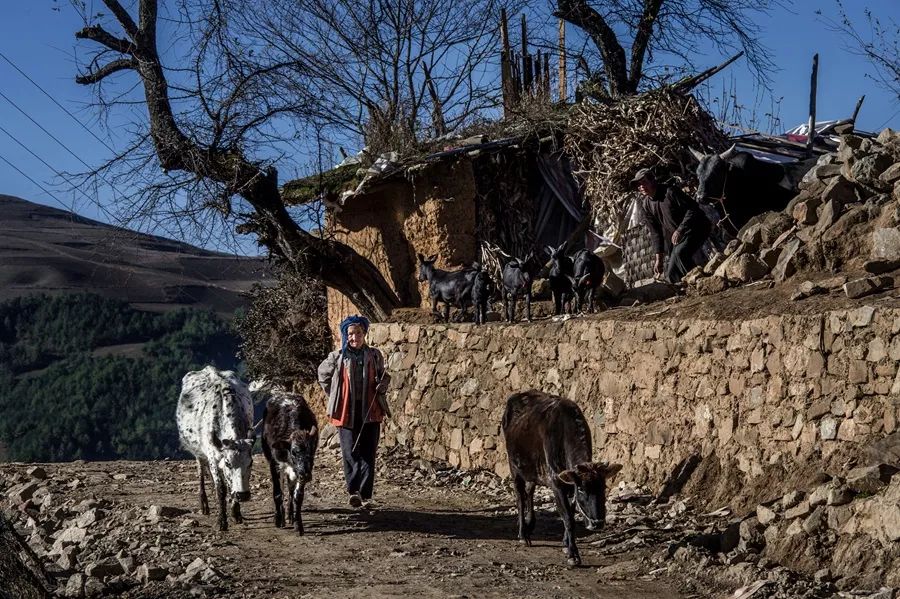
<point x="61" y="399"/>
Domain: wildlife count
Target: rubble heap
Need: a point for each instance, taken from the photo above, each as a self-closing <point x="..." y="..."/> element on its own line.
<point x="610" y="142"/>
<point x="843" y="221"/>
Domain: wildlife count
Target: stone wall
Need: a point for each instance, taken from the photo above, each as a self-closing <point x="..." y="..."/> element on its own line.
<point x="760" y="401"/>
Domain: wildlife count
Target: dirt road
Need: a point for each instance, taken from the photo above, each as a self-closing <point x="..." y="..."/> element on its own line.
<point x="434" y="534"/>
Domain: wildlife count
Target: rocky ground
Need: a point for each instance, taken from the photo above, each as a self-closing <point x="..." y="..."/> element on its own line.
<point x="133" y="529"/>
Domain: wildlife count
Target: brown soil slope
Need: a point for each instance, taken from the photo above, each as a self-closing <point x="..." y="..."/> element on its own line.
<point x="43" y="249"/>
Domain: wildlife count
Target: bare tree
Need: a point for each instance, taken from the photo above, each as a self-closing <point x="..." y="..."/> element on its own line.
<point x="204" y="119"/>
<point x="631" y="36"/>
<point x="393" y="71"/>
<point x="880" y="45"/>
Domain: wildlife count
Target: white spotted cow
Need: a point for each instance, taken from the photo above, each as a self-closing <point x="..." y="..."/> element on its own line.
<point x="215" y="424"/>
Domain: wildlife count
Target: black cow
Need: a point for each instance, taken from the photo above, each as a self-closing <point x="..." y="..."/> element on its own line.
<point x="482" y="290"/>
<point x="562" y="279"/>
<point x="516" y="277"/>
<point x="289" y="441"/>
<point x="548" y="442"/>
<point x="589" y="272"/>
<point x="450" y="287"/>
<point x="742" y="186"/>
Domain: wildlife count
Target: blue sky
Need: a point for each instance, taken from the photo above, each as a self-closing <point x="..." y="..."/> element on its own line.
<point x="38" y="36"/>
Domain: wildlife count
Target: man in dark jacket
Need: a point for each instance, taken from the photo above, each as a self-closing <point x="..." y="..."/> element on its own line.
<point x="677" y="225"/>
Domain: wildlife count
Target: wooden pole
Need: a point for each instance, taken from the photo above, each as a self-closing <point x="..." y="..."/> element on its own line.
<point x="546" y="78"/>
<point x="563" y="91"/>
<point x="527" y="69"/>
<point x="812" y="103"/>
<point x="856" y="110"/>
<point x="506" y="76"/>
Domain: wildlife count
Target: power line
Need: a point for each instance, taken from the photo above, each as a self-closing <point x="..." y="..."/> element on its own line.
<point x="48" y="165"/>
<point x="21" y="172"/>
<point x="52" y="99"/>
<point x="42" y="128"/>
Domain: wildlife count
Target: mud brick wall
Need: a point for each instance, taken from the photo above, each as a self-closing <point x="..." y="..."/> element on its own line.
<point x="756" y="399"/>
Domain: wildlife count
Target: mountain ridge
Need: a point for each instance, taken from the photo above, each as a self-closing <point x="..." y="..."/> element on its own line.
<point x="47" y="250"/>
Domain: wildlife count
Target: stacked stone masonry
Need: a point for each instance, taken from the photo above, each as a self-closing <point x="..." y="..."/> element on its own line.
<point x="762" y="396"/>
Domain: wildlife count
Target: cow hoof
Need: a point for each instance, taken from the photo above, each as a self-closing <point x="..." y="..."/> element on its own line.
<point x="573" y="562"/>
<point x="299" y="531"/>
<point x="526" y="542"/>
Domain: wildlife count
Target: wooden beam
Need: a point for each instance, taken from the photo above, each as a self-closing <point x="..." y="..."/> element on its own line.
<point x="527" y="69"/>
<point x="563" y="91"/>
<point x="813" y="81"/>
<point x="507" y="83"/>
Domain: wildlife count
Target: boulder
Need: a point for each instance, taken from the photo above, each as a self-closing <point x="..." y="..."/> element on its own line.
<point x="37" y="473"/>
<point x="770" y="256"/>
<point x="711" y="285"/>
<point x="104" y="569"/>
<point x="745" y="268"/>
<point x="806" y="211"/>
<point x="867" y="170"/>
<point x="886" y="243"/>
<point x="161" y="512"/>
<point x="839" y="190"/>
<point x="714" y="262"/>
<point x="815" y="521"/>
<point x="880" y="266"/>
<point x="891" y="175"/>
<point x="765" y="515"/>
<point x="786" y="265"/>
<point x="800" y="510"/>
<point x="22" y="493"/>
<point x="829" y="213"/>
<point x="75" y="585"/>
<point x="870" y="479"/>
<point x="149" y="573"/>
<point x="867" y="286"/>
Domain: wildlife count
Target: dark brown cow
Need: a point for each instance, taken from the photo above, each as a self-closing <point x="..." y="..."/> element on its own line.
<point x="289" y="441"/>
<point x="548" y="442"/>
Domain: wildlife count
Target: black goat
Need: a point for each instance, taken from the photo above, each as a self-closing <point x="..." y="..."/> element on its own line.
<point x="450" y="287"/>
<point x="589" y="272"/>
<point x="562" y="279"/>
<point x="517" y="276"/>
<point x="482" y="290"/>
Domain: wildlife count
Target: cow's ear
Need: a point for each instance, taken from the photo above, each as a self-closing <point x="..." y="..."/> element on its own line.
<point x="216" y="442"/>
<point x="420" y="257"/>
<point x="569" y="477"/>
<point x="610" y="470"/>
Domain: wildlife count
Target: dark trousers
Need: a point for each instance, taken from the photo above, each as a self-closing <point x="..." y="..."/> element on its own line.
<point x="359" y="465"/>
<point x="681" y="258"/>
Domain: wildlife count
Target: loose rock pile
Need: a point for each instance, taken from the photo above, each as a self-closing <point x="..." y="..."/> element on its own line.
<point x="844" y="220"/>
<point x="93" y="546"/>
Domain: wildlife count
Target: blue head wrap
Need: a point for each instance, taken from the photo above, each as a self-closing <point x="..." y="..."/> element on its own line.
<point x="350" y="321"/>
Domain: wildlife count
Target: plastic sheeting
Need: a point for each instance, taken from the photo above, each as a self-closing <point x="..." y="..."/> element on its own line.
<point x="559" y="205"/>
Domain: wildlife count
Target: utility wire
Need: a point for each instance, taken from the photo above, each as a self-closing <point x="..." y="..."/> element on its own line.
<point x="52" y="99"/>
<point x="21" y="172"/>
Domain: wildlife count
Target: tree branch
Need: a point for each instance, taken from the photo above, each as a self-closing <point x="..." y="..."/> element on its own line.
<point x="122" y="16"/>
<point x="106" y="70"/>
<point x="582" y="15"/>
<point x="98" y="34"/>
<point x="642" y="40"/>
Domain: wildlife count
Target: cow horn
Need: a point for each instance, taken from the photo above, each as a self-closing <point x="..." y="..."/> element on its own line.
<point x="697" y="154"/>
<point x="727" y="154"/>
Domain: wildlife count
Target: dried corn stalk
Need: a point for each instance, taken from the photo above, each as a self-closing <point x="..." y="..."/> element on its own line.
<point x="610" y="142"/>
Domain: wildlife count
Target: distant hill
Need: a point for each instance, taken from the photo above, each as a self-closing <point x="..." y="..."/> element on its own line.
<point x="45" y="250"/>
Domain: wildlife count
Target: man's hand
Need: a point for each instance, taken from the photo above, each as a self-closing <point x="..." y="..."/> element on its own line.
<point x="676" y="237"/>
<point x="658" y="264"/>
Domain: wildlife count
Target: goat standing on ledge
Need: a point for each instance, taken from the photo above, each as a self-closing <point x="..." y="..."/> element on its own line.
<point x="450" y="287"/>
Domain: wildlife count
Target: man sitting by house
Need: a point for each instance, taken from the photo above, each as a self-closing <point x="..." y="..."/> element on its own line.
<point x="678" y="227"/>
